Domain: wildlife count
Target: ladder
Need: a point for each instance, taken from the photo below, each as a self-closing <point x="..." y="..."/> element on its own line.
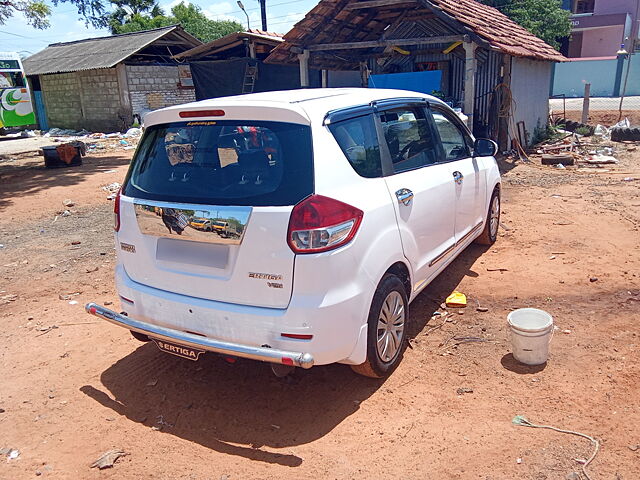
<point x="250" y="75"/>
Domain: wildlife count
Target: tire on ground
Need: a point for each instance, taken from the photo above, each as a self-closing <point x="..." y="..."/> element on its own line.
<point x="374" y="366"/>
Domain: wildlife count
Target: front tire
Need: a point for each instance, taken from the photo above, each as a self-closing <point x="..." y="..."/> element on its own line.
<point x="386" y="337"/>
<point x="490" y="233"/>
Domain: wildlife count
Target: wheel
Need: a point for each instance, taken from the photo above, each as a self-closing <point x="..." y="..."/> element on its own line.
<point x="387" y="329"/>
<point x="490" y="232"/>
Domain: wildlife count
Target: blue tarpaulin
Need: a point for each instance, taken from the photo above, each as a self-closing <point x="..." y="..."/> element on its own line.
<point x="423" y="82"/>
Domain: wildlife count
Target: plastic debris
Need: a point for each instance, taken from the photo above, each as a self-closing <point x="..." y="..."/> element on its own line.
<point x="600" y="159"/>
<point x="10" y="453"/>
<point x="108" y="459"/>
<point x="456" y="300"/>
<point x="133" y="132"/>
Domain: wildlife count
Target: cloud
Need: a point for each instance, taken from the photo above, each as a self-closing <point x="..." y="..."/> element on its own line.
<point x="168" y="6"/>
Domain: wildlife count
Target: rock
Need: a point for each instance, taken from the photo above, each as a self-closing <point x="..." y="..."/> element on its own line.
<point x="66" y="213"/>
<point x="593" y="279"/>
<point x="463" y="390"/>
<point x="92" y="269"/>
<point x="107" y="303"/>
<point x="68" y="203"/>
<point x="76" y="242"/>
<point x="634" y="448"/>
<point x="482" y="309"/>
<point x="2" y="410"/>
<point x="107" y="459"/>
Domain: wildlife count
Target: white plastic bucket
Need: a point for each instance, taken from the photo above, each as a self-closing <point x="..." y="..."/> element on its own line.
<point x="531" y="331"/>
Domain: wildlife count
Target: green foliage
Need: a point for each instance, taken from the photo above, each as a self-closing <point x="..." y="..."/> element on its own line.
<point x="544" y="18"/>
<point x="544" y="133"/>
<point x="35" y="11"/>
<point x="147" y="15"/>
<point x="586" y="131"/>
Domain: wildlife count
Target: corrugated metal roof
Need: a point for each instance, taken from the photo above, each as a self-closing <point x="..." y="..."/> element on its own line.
<point x="102" y="52"/>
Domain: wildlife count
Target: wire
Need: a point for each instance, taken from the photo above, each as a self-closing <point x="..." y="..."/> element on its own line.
<point x="28" y="38"/>
<point x="258" y="8"/>
<point x="522" y="421"/>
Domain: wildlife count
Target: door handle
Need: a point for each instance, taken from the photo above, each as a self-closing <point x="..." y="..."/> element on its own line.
<point x="405" y="196"/>
<point x="458" y="177"/>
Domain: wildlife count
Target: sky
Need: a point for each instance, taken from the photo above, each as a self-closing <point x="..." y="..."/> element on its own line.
<point x="66" y="25"/>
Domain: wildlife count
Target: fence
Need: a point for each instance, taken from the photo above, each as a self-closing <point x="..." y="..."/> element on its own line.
<point x="614" y="88"/>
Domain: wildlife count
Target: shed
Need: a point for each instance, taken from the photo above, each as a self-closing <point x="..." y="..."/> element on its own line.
<point x="468" y="47"/>
<point x="100" y="84"/>
<point x="234" y="64"/>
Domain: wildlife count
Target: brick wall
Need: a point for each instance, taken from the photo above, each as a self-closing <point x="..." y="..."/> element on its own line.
<point x="153" y="87"/>
<point x="83" y="100"/>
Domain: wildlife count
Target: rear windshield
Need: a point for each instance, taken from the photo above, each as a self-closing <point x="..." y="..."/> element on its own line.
<point x="223" y="163"/>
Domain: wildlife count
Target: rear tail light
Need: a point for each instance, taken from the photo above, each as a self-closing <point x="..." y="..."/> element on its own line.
<point x="116" y="212"/>
<point x="319" y="224"/>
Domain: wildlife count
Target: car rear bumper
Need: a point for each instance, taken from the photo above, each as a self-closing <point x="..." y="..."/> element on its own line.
<point x="264" y="354"/>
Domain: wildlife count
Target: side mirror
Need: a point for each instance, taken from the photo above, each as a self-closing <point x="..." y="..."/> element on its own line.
<point x="484" y="148"/>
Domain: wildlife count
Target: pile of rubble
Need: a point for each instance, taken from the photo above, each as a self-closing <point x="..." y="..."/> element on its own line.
<point x="591" y="151"/>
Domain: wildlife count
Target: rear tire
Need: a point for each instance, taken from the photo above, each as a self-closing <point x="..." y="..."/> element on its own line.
<point x="490" y="233"/>
<point x="387" y="331"/>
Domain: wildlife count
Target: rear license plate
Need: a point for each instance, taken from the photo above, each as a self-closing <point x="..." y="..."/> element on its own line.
<point x="178" y="350"/>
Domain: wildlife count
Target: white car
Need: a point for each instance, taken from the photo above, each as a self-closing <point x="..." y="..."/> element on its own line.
<point x="343" y="203"/>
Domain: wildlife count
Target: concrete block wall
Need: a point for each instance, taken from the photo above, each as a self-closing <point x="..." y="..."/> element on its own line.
<point x="83" y="100"/>
<point x="156" y="86"/>
<point x="61" y="94"/>
<point x="101" y="100"/>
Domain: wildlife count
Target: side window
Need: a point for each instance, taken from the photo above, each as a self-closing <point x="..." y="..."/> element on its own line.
<point x="359" y="143"/>
<point x="454" y="141"/>
<point x="409" y="138"/>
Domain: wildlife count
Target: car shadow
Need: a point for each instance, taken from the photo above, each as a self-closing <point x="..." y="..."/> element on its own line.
<point x="18" y="181"/>
<point x="233" y="409"/>
<point x="239" y="409"/>
<point x="436" y="293"/>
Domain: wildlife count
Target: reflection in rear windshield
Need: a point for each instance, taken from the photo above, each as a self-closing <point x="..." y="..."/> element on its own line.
<point x="224" y="162"/>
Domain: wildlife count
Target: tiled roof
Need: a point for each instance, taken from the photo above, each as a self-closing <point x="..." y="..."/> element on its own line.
<point x="257" y="31"/>
<point x="499" y="30"/>
<point x="336" y="21"/>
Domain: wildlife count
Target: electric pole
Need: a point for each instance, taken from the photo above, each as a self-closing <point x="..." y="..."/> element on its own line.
<point x="263" y="13"/>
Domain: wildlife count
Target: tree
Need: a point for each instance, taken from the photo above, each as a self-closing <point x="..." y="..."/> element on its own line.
<point x="147" y="16"/>
<point x="544" y="18"/>
<point x="37" y="12"/>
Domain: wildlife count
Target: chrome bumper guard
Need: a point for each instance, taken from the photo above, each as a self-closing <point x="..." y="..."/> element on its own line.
<point x="264" y="354"/>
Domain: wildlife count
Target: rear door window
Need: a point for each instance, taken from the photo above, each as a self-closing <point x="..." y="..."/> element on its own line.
<point x="409" y="137"/>
<point x="359" y="142"/>
<point x="223" y="163"/>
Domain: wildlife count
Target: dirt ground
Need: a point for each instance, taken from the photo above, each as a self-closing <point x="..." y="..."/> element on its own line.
<point x="607" y="118"/>
<point x="74" y="387"/>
